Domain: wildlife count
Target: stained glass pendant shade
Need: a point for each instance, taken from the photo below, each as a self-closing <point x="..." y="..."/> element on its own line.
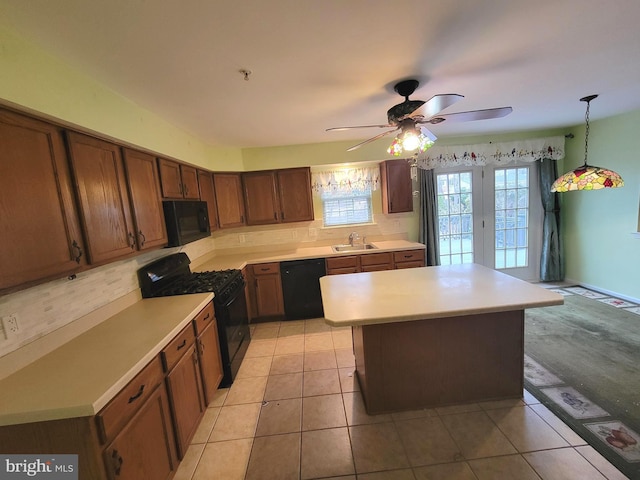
<point x="587" y="177"/>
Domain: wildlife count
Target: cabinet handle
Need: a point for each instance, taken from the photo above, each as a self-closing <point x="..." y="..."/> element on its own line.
<point x="194" y="357"/>
<point x="144" y="239"/>
<point x="77" y="247"/>
<point x="275" y="216"/>
<point x="186" y="190"/>
<point x="265" y="269"/>
<point x="407" y="256"/>
<point x="242" y="218"/>
<point x="132" y="242"/>
<point x="180" y="189"/>
<point x="181" y="346"/>
<point x="137" y="395"/>
<point x="201" y="345"/>
<point x="281" y="215"/>
<point x="206" y="317"/>
<point x="116" y="461"/>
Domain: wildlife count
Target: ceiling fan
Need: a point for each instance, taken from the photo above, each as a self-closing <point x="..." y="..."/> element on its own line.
<point x="410" y="116"/>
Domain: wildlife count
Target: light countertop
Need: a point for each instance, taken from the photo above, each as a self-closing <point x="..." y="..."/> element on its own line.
<point x="240" y="260"/>
<point x="428" y="292"/>
<point x="79" y="378"/>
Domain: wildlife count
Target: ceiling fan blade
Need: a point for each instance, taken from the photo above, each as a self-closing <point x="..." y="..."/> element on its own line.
<point x="371" y="139"/>
<point x="437" y="103"/>
<point x="337" y="129"/>
<point x="486" y="114"/>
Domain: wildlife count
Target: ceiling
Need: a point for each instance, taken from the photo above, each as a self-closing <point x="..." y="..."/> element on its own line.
<point x="324" y="63"/>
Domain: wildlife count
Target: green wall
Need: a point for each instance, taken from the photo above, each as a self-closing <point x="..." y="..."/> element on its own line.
<point x="599" y="244"/>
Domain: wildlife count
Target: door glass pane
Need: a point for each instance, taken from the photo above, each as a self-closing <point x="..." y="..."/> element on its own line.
<point x="455" y="218"/>
<point x="511" y="217"/>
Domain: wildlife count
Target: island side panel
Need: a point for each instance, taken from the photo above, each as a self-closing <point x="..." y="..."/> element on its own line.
<point x="436" y="362"/>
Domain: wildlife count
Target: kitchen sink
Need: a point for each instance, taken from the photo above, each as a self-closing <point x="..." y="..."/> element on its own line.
<point x="353" y="248"/>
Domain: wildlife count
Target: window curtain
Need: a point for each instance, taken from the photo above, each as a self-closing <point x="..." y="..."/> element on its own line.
<point x="345" y="181"/>
<point x="428" y="228"/>
<point x="551" y="258"/>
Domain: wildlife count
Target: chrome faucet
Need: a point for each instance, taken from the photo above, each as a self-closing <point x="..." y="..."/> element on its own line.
<point x="353" y="238"/>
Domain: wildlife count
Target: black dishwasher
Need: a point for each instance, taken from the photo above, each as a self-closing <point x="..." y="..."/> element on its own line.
<point x="301" y="288"/>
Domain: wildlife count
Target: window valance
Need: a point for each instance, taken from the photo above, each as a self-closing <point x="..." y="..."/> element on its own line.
<point x="345" y="180"/>
<point x="501" y="153"/>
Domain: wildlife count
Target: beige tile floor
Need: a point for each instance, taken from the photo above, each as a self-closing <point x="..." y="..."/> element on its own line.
<point x="295" y="412"/>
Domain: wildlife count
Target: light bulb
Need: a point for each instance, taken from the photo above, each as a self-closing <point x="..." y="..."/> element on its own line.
<point x="410" y="141"/>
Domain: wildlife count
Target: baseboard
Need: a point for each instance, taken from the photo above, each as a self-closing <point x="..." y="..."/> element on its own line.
<point x="603" y="291"/>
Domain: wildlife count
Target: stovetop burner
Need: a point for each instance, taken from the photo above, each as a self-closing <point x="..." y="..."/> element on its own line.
<point x="172" y="276"/>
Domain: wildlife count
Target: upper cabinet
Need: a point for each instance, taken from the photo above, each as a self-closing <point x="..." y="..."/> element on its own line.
<point x="144" y="191"/>
<point x="178" y="180"/>
<point x="294" y="188"/>
<point x="103" y="198"/>
<point x="277" y="196"/>
<point x="230" y="203"/>
<point x="36" y="202"/>
<point x="208" y="194"/>
<point x="397" y="191"/>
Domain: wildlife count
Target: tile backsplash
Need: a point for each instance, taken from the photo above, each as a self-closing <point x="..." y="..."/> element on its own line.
<point x="44" y="308"/>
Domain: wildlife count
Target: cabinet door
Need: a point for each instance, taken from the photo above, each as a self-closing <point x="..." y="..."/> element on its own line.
<point x="229" y="200"/>
<point x="207" y="194"/>
<point x="102" y="194"/>
<point x="210" y="361"/>
<point x="260" y="198"/>
<point x="185" y="391"/>
<point x="294" y="188"/>
<point x="189" y="178"/>
<point x="397" y="191"/>
<point x="170" y="178"/>
<point x="268" y="290"/>
<point x="145" y="448"/>
<point x="144" y="191"/>
<point x="39" y="225"/>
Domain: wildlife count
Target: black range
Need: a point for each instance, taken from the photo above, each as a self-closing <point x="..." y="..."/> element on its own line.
<point x="171" y="275"/>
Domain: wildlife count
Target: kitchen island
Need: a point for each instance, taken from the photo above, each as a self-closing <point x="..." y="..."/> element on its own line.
<point x="434" y="336"/>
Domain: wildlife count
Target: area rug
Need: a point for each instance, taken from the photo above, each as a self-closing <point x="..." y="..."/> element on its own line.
<point x="582" y="361"/>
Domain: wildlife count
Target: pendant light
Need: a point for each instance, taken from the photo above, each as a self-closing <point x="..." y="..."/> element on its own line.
<point x="587" y="177"/>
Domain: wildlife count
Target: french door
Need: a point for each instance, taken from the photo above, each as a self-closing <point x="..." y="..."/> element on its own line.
<point x="492" y="216"/>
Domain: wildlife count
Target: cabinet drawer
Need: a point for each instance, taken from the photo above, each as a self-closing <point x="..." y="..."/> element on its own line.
<point x="376" y="268"/>
<point x="176" y="348"/>
<point x="342" y="262"/>
<point x="408" y="256"/>
<point x="125" y="404"/>
<point x="340" y="271"/>
<point x="266" y="268"/>
<point x="416" y="264"/>
<point x="204" y="318"/>
<point x="375" y="259"/>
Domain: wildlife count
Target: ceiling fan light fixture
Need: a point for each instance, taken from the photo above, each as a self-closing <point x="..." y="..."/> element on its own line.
<point x="408" y="142"/>
<point x="587" y="177"/>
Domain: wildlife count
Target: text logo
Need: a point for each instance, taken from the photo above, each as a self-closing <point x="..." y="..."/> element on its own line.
<point x="39" y="467"/>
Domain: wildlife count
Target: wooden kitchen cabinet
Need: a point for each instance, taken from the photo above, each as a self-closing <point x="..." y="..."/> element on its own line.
<point x="184" y="385"/>
<point x="146" y="199"/>
<point x="408" y="259"/>
<point x="294" y="189"/>
<point x="208" y="194"/>
<point x="208" y="352"/>
<point x="373" y="262"/>
<point x="39" y="227"/>
<point x="101" y="189"/>
<point x="136" y="425"/>
<point x="268" y="290"/>
<point x="261" y="201"/>
<point x="278" y="196"/>
<point x="396" y="187"/>
<point x="229" y="199"/>
<point x="340" y="265"/>
<point x="178" y="180"/>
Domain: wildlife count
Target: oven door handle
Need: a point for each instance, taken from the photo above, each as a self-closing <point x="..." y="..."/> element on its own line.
<point x="239" y="292"/>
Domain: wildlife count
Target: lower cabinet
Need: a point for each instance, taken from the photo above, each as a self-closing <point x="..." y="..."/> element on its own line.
<point x="372" y="262"/>
<point x="340" y="265"/>
<point x="184" y="385"/>
<point x="145" y="447"/>
<point x="145" y="429"/>
<point x="408" y="259"/>
<point x="267" y="288"/>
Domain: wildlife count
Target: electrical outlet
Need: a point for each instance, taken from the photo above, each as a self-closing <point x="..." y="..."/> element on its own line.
<point x="10" y="325"/>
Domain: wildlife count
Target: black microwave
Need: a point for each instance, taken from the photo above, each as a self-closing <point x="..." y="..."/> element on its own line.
<point x="187" y="221"/>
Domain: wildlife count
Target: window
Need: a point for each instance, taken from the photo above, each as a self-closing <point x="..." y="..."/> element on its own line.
<point x="346" y="209"/>
<point x="346" y="194"/>
<point x="455" y="218"/>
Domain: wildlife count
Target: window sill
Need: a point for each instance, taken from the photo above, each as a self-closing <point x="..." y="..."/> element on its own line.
<point x="350" y="225"/>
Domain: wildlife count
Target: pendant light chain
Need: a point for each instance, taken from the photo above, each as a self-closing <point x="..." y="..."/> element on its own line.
<point x="586" y="135"/>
